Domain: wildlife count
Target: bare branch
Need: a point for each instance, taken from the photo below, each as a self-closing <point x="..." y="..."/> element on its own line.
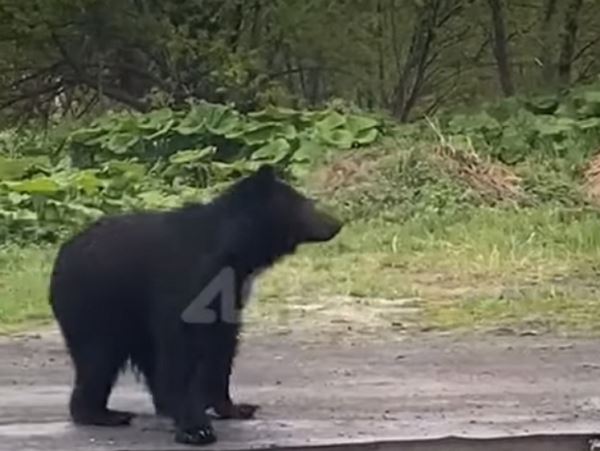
<point x="585" y="48"/>
<point x="569" y="39"/>
<point x="110" y="91"/>
<point x="54" y="89"/>
<point x="500" y="47"/>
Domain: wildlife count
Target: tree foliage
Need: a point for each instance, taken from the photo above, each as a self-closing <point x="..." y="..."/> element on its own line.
<point x="54" y="183"/>
<point x="76" y="57"/>
<point x="159" y="159"/>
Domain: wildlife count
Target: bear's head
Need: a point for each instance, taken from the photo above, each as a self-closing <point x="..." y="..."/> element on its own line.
<point x="291" y="211"/>
<point x="281" y="217"/>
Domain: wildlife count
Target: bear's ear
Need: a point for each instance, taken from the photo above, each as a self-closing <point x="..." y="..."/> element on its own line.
<point x="266" y="173"/>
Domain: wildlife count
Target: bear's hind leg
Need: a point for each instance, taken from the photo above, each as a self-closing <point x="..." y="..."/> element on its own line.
<point x="96" y="370"/>
<point x="144" y="359"/>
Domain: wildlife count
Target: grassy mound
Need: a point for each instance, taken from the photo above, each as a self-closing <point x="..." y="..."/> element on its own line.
<point x="481" y="221"/>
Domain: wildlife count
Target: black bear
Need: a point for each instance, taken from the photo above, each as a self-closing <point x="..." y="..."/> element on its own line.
<point x="122" y="291"/>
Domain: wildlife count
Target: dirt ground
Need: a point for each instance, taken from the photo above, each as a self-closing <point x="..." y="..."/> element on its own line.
<point x="317" y="390"/>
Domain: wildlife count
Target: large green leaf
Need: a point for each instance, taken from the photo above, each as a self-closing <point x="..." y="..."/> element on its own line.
<point x="589" y="104"/>
<point x="16" y="168"/>
<point x="357" y="124"/>
<point x="161" y="131"/>
<point x="87" y="181"/>
<point x="19" y="215"/>
<point x="16" y="198"/>
<point x="191" y="156"/>
<point x="121" y="143"/>
<point x="590" y="123"/>
<point x="259" y="133"/>
<point x="331" y="121"/>
<point x="120" y="167"/>
<point x="262" y="133"/>
<point x="368" y="136"/>
<point x="273" y="151"/>
<point x="513" y="146"/>
<point x="543" y="104"/>
<point x="473" y="123"/>
<point x="80" y="210"/>
<point x="552" y="126"/>
<point x="271" y="113"/>
<point x="191" y="125"/>
<point x="88" y="136"/>
<point x="222" y="120"/>
<point x="342" y="139"/>
<point x="38" y="185"/>
<point x="127" y="125"/>
<point x="308" y="151"/>
<point x="289" y="132"/>
<point x="591" y="96"/>
<point x="158" y="199"/>
<point x="156" y="119"/>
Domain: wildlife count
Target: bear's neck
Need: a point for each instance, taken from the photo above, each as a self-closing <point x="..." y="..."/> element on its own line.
<point x="242" y="238"/>
<point x="256" y="247"/>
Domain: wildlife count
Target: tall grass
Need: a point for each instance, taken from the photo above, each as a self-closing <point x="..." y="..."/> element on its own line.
<point x="413" y="232"/>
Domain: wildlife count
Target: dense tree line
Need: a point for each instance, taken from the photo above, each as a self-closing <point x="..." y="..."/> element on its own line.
<point x="407" y="57"/>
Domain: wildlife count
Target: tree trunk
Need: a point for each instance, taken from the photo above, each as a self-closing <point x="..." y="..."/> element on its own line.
<point x="569" y="38"/>
<point x="500" y="47"/>
<point x="412" y="75"/>
<point x="381" y="53"/>
<point x="547" y="33"/>
<point x="255" y="28"/>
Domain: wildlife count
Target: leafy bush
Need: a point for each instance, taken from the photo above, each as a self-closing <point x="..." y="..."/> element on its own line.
<point x="543" y="127"/>
<point x="51" y="183"/>
<point x="55" y="183"/>
<point x="221" y="133"/>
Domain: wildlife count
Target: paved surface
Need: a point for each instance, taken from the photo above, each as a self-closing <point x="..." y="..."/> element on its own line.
<point x="324" y="392"/>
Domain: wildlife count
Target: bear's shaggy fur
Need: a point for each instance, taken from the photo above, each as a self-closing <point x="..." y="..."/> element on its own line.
<point x="118" y="291"/>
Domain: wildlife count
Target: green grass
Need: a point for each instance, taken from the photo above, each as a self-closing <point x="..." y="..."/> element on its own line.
<point x="24" y="275"/>
<point x="440" y="236"/>
<point x="481" y="268"/>
<point x="485" y="268"/>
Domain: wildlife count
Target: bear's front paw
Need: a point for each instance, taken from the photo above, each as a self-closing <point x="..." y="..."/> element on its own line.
<point x="229" y="410"/>
<point x="104" y="417"/>
<point x="202" y="435"/>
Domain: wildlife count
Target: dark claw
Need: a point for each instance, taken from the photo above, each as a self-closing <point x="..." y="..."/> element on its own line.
<point x="123" y="418"/>
<point x="236" y="411"/>
<point x="245" y="411"/>
<point x="203" y="435"/>
<point x="110" y="418"/>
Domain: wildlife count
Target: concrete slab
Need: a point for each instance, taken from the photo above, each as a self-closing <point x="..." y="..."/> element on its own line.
<point x="318" y="393"/>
